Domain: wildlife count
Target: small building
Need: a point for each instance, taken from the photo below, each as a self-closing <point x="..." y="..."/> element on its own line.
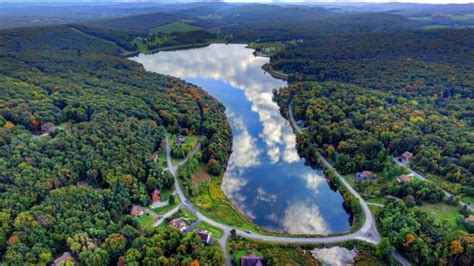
<point x="405" y="157"/>
<point x="205" y="236"/>
<point x="66" y="256"/>
<point x="180" y="139"/>
<point x="469" y="223"/>
<point x="404" y="178"/>
<point x="179" y="224"/>
<point x="269" y="49"/>
<point x="301" y="123"/>
<point x="136" y="210"/>
<point x="365" y="175"/>
<point x="252" y="260"/>
<point x="48" y="127"/>
<point x="156" y="195"/>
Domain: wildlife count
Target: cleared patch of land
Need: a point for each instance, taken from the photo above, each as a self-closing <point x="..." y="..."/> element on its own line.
<point x="210" y="199"/>
<point x="178" y="26"/>
<point x="166" y="208"/>
<point x="145" y="221"/>
<point x="216" y="232"/>
<point x="446" y="213"/>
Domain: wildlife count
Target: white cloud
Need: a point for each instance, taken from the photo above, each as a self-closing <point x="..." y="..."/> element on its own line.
<point x="304" y="218"/>
<point x="313" y="180"/>
<point x="262" y="195"/>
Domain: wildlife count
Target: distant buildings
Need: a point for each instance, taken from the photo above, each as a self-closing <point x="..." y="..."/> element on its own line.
<point x="252" y="260"/>
<point x="63" y="259"/>
<point x="156" y="195"/>
<point x="136" y="210"/>
<point x="366" y="175"/>
<point x="405" y="157"/>
<point x="404" y="178"/>
<point x="268" y="49"/>
<point x="180" y="140"/>
<point x="179" y="224"/>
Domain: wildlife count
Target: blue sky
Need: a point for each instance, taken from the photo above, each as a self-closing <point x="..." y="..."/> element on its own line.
<point x="256" y="1"/>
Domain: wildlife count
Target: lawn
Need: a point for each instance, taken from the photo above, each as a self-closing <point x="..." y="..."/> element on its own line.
<point x="213" y="203"/>
<point x="467" y="16"/>
<point x="446" y="213"/>
<point x="186" y="215"/>
<point x="187" y="146"/>
<point x="165" y="209"/>
<point x="379" y="200"/>
<point x="178" y="26"/>
<point x="216" y="232"/>
<point x="145" y="221"/>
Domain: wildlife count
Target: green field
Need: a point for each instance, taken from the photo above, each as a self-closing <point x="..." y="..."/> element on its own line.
<point x="165" y="209"/>
<point x="446" y="213"/>
<point x="213" y="203"/>
<point x="216" y="232"/>
<point x="178" y="26"/>
<point x="467" y="16"/>
<point x="145" y="221"/>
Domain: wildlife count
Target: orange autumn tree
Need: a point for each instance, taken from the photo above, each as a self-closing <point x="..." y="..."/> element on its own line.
<point x="456" y="247"/>
<point x="409" y="239"/>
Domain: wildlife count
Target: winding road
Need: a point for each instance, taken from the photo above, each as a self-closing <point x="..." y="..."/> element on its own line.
<point x="368" y="232"/>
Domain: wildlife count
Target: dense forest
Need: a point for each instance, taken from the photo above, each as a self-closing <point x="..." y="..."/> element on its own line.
<point x="364" y="98"/>
<point x="78" y="126"/>
<point x="392" y="94"/>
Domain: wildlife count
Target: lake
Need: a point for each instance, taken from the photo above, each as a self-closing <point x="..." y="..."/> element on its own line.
<point x="265" y="177"/>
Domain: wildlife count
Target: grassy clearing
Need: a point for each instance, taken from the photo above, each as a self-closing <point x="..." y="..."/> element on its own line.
<point x="216" y="232"/>
<point x="463" y="17"/>
<point x="446" y="213"/>
<point x="379" y="200"/>
<point x="184" y="149"/>
<point x="213" y="203"/>
<point x="421" y="19"/>
<point x="468" y="199"/>
<point x="178" y="26"/>
<point x="167" y="208"/>
<point x="186" y="215"/>
<point x="145" y="221"/>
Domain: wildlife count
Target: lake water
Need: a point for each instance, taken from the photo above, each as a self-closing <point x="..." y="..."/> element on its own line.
<point x="265" y="177"/>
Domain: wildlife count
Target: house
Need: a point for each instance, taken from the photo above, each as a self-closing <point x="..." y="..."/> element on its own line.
<point x="405" y="157"/>
<point x="301" y="123"/>
<point x="48" y="127"/>
<point x="156" y="195"/>
<point x="269" y="49"/>
<point x="404" y="178"/>
<point x="180" y="139"/>
<point x="366" y="175"/>
<point x="252" y="260"/>
<point x="469" y="223"/>
<point x="179" y="224"/>
<point x="205" y="236"/>
<point x="66" y="256"/>
<point x="136" y="210"/>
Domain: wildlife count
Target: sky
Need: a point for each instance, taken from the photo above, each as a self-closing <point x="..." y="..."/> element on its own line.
<point x="257" y="1"/>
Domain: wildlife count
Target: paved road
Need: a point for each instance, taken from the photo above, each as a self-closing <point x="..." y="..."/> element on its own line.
<point x="369" y="229"/>
<point x="163" y="217"/>
<point x="419" y="176"/>
<point x="367" y="233"/>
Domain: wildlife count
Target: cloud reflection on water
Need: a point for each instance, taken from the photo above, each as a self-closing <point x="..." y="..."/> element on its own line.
<point x="265" y="177"/>
<point x="237" y="66"/>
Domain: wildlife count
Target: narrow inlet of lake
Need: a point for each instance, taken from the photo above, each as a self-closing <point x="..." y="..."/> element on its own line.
<point x="265" y="177"/>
